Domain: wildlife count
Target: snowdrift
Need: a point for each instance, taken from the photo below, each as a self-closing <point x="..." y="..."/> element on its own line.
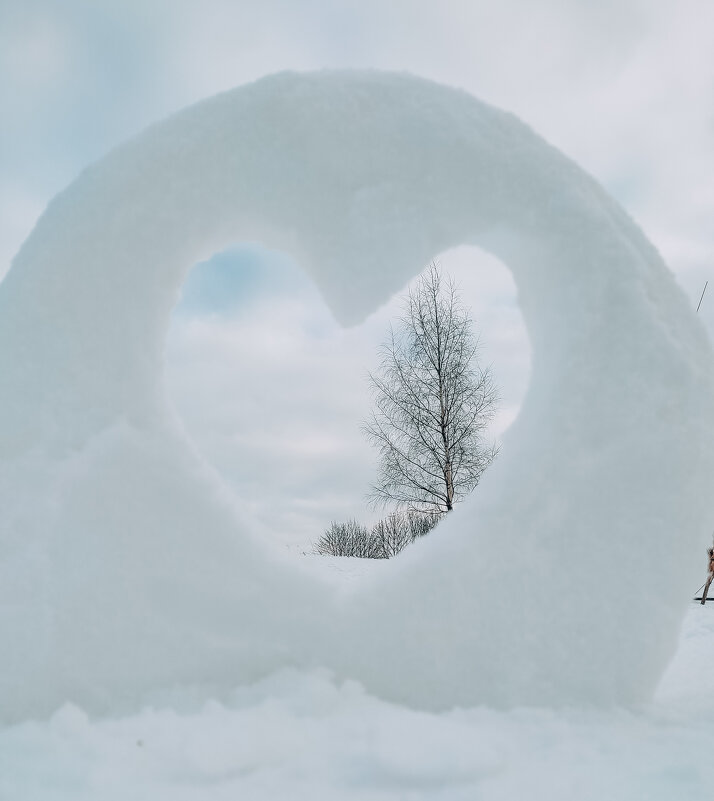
<point x="125" y="566"/>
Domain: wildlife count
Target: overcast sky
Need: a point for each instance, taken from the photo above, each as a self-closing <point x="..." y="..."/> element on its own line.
<point x="269" y="387"/>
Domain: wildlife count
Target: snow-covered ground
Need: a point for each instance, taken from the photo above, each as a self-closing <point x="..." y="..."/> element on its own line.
<point x="302" y="735"/>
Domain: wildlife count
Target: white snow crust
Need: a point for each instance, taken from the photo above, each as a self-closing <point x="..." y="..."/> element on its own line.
<point x="303" y="735"/>
<point x="125" y="567"/>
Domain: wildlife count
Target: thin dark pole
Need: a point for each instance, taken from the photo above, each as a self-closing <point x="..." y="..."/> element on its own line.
<point x="702" y="297"/>
<point x="706" y="283"/>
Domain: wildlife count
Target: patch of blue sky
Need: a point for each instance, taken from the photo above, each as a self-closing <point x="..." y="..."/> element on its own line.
<point x="238" y="278"/>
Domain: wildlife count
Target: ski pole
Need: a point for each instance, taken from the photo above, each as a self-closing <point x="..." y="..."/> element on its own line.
<point x="706" y="283"/>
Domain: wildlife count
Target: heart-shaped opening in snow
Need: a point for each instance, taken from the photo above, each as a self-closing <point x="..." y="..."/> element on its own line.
<point x="272" y="390"/>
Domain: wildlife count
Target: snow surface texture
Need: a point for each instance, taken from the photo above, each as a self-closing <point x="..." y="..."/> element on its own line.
<point x="302" y="736"/>
<point x="125" y="567"/>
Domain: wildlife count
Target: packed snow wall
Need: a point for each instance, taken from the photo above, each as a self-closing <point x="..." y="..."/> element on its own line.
<point x="125" y="568"/>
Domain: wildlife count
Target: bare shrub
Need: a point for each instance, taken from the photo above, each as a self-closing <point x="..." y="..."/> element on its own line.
<point x="347" y="539"/>
<point x="421" y="523"/>
<point x="387" y="538"/>
<point x="392" y="534"/>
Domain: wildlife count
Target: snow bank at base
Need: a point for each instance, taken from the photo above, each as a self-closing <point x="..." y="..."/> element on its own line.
<point x="303" y="735"/>
<point x="125" y="566"/>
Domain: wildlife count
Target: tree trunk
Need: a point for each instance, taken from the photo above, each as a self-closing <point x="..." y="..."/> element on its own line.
<point x="449" y="487"/>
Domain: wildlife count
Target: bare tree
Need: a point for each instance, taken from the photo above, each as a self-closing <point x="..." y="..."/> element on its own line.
<point x="433" y="403"/>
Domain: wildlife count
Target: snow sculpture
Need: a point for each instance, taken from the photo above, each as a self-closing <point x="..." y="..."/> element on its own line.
<point x="125" y="568"/>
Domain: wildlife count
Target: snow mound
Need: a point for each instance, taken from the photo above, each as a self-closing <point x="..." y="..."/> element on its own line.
<point x="125" y="566"/>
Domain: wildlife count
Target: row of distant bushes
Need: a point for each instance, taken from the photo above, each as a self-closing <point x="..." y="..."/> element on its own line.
<point x="386" y="538"/>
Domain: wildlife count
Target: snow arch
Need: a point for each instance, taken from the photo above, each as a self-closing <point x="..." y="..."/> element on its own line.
<point x="125" y="566"/>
